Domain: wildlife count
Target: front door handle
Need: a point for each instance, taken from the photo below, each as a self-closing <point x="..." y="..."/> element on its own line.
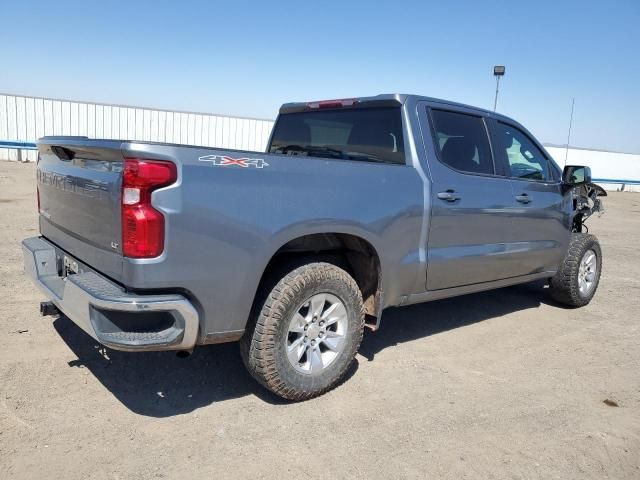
<point x="524" y="198"/>
<point x="449" y="196"/>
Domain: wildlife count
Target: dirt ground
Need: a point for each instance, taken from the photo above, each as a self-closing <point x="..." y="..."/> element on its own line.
<point x="503" y="384"/>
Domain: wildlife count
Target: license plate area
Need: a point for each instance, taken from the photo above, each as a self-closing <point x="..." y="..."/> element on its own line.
<point x="69" y="266"/>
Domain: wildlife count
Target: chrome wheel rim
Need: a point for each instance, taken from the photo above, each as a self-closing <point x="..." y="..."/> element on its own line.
<point x="587" y="272"/>
<point x="316" y="334"/>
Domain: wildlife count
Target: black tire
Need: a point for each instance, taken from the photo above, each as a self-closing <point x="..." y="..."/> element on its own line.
<point x="263" y="346"/>
<point x="564" y="286"/>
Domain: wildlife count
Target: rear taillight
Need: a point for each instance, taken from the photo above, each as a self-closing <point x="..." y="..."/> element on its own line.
<point x="143" y="225"/>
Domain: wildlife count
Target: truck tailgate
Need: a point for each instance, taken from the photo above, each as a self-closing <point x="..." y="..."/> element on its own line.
<point x="79" y="184"/>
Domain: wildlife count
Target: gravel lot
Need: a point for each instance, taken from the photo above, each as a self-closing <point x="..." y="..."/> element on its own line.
<point x="503" y="384"/>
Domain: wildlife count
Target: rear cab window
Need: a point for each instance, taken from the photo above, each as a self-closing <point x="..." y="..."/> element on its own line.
<point x="366" y="134"/>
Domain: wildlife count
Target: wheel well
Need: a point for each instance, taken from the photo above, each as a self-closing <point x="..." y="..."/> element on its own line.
<point x="350" y="252"/>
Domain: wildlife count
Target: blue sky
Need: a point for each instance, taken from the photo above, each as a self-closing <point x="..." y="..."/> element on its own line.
<point x="246" y="58"/>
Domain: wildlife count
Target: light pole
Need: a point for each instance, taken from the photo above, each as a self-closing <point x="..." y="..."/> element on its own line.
<point x="498" y="71"/>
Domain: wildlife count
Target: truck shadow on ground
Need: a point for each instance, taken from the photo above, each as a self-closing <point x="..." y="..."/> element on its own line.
<point x="160" y="384"/>
<point x="400" y="325"/>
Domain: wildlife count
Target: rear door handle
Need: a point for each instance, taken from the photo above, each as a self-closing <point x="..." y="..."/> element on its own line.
<point x="449" y="196"/>
<point x="524" y="198"/>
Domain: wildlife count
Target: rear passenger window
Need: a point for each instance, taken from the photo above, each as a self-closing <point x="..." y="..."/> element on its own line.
<point x="525" y="160"/>
<point x="462" y="142"/>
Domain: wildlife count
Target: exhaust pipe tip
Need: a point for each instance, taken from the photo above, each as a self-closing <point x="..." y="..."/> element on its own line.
<point x="183" y="354"/>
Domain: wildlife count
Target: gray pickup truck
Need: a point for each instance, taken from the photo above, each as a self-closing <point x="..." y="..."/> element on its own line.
<point x="357" y="205"/>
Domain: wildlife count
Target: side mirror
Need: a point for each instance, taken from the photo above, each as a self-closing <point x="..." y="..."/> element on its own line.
<point x="576" y="175"/>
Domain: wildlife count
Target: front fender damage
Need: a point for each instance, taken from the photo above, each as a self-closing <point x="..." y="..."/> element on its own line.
<point x="586" y="202"/>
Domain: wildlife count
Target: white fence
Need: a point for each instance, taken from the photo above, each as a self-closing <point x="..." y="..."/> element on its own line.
<point x="29" y="118"/>
<point x="614" y="171"/>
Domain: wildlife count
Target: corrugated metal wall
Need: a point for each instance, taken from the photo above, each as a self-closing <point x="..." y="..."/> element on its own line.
<point x="29" y="118"/>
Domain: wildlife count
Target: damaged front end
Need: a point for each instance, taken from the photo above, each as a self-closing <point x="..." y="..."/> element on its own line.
<point x="577" y="180"/>
<point x="585" y="204"/>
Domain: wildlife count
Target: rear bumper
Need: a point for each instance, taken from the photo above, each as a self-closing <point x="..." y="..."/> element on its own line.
<point x="115" y="318"/>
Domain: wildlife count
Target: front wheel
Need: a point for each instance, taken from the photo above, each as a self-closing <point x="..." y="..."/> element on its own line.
<point x="305" y="331"/>
<point x="577" y="279"/>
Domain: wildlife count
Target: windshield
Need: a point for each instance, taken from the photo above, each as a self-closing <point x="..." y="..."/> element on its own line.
<point x="366" y="134"/>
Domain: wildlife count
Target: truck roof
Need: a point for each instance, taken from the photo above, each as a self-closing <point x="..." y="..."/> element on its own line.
<point x="385" y="99"/>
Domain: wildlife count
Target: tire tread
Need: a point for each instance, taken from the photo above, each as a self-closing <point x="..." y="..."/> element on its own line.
<point x="564" y="285"/>
<point x="258" y="345"/>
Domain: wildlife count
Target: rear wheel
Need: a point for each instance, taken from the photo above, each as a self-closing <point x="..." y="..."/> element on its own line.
<point x="577" y="279"/>
<point x="305" y="331"/>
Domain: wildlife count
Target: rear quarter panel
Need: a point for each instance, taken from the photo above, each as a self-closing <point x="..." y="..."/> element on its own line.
<point x="224" y="223"/>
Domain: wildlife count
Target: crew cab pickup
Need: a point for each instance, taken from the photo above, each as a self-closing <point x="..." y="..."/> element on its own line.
<point x="357" y="205"/>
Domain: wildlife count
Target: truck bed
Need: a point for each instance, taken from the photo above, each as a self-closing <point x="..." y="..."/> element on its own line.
<point x="226" y="216"/>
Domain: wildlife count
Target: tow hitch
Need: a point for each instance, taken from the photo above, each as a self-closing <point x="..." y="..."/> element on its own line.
<point x="48" y="308"/>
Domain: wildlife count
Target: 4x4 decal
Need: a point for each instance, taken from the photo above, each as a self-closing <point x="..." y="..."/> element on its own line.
<point x="224" y="161"/>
